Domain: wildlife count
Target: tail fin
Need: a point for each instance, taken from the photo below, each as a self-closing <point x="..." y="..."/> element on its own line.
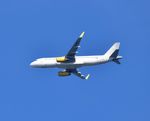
<point x="113" y="52"/>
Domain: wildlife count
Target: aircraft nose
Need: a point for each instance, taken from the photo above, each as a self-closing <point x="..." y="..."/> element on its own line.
<point x="33" y="64"/>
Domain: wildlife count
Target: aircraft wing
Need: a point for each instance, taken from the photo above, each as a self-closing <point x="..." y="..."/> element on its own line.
<point x="73" y="51"/>
<point x="77" y="73"/>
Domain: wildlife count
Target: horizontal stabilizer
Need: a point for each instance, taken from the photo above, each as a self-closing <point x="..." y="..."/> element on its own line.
<point x="117" y="61"/>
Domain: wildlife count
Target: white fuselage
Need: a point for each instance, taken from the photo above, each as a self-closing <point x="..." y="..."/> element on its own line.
<point x="80" y="61"/>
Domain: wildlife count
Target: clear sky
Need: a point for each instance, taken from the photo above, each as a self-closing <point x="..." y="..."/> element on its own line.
<point x="31" y="29"/>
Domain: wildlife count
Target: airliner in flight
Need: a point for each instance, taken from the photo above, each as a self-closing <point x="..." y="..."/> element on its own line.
<point x="70" y="62"/>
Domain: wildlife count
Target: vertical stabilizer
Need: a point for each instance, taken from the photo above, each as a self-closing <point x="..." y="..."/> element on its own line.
<point x="113" y="51"/>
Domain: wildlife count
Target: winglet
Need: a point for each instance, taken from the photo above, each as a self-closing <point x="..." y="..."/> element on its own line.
<point x="87" y="77"/>
<point x="82" y="34"/>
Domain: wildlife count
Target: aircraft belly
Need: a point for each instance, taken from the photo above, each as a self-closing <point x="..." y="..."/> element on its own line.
<point x="91" y="62"/>
<point x="69" y="65"/>
<point x="94" y="61"/>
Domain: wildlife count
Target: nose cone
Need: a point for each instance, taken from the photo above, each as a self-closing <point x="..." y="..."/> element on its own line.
<point x="33" y="64"/>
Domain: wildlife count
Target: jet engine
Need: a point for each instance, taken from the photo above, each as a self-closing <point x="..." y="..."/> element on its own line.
<point x="61" y="59"/>
<point x="63" y="73"/>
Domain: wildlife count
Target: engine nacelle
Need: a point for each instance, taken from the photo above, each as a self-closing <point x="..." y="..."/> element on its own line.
<point x="61" y="59"/>
<point x="63" y="73"/>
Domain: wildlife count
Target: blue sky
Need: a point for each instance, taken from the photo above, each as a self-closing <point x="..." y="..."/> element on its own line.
<point x="32" y="29"/>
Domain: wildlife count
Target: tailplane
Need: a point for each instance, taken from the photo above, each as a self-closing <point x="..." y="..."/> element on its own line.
<point x="113" y="52"/>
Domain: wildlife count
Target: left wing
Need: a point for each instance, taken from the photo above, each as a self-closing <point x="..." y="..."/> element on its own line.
<point x="77" y="73"/>
<point x="72" y="52"/>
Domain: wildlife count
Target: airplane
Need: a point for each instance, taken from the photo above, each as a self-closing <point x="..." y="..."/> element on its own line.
<point x="70" y="62"/>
